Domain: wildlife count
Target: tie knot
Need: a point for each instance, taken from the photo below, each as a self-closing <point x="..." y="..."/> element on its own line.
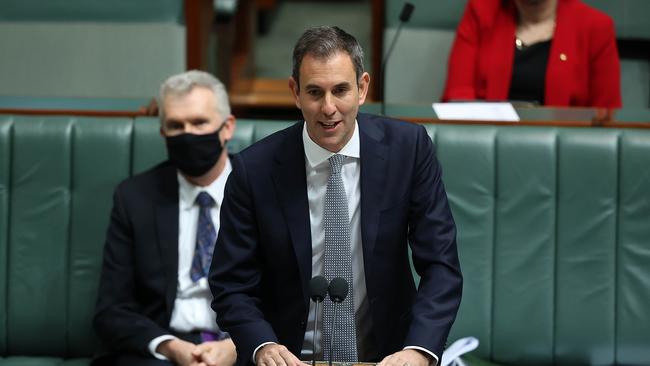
<point x="204" y="200"/>
<point x="336" y="161"/>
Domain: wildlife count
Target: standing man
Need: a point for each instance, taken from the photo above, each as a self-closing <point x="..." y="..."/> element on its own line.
<point x="153" y="306"/>
<point x="340" y="194"/>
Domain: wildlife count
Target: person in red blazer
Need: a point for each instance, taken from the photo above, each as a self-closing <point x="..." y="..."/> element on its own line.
<point x="582" y="69"/>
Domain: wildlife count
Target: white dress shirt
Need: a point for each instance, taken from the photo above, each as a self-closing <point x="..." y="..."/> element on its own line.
<point x="318" y="171"/>
<point x="192" y="311"/>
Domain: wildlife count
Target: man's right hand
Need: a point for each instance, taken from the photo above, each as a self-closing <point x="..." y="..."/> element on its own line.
<point x="276" y="355"/>
<point x="177" y="351"/>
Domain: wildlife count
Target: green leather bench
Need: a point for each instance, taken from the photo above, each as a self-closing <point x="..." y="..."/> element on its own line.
<point x="553" y="235"/>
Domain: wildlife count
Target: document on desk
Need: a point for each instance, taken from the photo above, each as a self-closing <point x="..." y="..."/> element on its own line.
<point x="476" y="111"/>
<point x="451" y="356"/>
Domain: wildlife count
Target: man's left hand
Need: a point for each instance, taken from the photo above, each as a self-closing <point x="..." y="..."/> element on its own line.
<point x="215" y="353"/>
<point x="406" y="357"/>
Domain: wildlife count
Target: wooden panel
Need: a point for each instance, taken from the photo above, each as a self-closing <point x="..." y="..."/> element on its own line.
<point x="199" y="15"/>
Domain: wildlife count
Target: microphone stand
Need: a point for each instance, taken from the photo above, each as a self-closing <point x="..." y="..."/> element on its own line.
<point x="404" y="17"/>
<point x="313" y="336"/>
<point x="383" y="68"/>
<point x="332" y="334"/>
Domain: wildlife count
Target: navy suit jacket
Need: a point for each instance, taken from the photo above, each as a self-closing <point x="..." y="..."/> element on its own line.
<point x="140" y="269"/>
<point x="262" y="262"/>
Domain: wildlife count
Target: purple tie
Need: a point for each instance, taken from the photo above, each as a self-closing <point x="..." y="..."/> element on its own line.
<point x="206" y="236"/>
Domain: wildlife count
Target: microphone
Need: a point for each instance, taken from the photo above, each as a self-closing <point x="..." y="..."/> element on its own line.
<point x="317" y="291"/>
<point x="404" y="17"/>
<point x="407" y="11"/>
<point x="338" y="291"/>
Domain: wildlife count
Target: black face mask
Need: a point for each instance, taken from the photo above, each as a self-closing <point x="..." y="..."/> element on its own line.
<point x="194" y="155"/>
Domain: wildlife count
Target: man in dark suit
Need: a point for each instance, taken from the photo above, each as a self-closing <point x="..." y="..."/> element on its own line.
<point x="339" y="194"/>
<point x="153" y="305"/>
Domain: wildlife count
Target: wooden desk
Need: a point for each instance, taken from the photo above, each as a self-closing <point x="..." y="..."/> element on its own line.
<point x="110" y="107"/>
<point x="530" y="116"/>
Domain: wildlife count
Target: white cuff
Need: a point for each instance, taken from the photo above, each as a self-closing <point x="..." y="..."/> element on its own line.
<point x="153" y="345"/>
<point x="258" y="348"/>
<point x="435" y="358"/>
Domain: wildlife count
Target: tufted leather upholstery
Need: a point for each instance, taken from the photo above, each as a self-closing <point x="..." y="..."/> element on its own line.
<point x="553" y="225"/>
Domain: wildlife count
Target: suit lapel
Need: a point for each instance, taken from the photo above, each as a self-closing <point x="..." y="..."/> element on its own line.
<point x="501" y="61"/>
<point x="166" y="211"/>
<point x="374" y="164"/>
<point x="289" y="178"/>
<point x="561" y="58"/>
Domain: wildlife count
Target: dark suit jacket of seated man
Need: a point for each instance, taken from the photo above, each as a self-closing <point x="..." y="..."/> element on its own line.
<point x="262" y="264"/>
<point x="153" y="301"/>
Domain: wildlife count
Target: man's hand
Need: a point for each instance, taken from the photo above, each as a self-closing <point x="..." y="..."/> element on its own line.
<point x="177" y="351"/>
<point x="215" y="353"/>
<point x="276" y="355"/>
<point x="406" y="357"/>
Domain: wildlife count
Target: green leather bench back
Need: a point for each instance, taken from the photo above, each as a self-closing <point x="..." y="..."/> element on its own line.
<point x="423" y="48"/>
<point x="440" y="14"/>
<point x="57" y="177"/>
<point x="553" y="234"/>
<point x="554" y="241"/>
<point x="630" y="17"/>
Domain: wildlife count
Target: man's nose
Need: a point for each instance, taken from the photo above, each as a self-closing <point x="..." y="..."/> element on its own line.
<point x="189" y="128"/>
<point x="328" y="107"/>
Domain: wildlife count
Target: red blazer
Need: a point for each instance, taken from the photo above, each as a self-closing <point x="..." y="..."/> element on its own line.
<point x="583" y="67"/>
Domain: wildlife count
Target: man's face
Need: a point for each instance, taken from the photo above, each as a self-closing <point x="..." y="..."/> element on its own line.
<point x="194" y="113"/>
<point x="329" y="97"/>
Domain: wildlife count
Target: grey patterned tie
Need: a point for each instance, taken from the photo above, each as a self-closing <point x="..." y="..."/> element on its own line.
<point x="338" y="263"/>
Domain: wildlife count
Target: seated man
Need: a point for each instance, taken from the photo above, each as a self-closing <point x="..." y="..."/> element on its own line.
<point x="153" y="306"/>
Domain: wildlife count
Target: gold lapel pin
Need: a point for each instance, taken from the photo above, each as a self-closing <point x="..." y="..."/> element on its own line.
<point x="563" y="56"/>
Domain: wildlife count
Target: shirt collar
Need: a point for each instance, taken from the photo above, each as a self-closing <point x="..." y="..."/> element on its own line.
<point x="316" y="155"/>
<point x="189" y="191"/>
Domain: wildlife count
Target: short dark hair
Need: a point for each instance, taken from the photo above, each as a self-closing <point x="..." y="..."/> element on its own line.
<point x="322" y="43"/>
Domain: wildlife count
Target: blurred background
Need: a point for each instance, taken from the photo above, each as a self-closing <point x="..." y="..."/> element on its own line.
<point x="119" y="51"/>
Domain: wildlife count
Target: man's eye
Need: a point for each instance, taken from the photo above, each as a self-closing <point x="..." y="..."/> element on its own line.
<point x="199" y="122"/>
<point x="314" y="92"/>
<point x="339" y="91"/>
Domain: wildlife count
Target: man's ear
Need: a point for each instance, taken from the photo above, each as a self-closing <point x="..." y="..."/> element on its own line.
<point x="229" y="127"/>
<point x="295" y="90"/>
<point x="364" y="82"/>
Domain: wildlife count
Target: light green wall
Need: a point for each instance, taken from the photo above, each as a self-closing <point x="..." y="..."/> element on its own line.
<point x="100" y="59"/>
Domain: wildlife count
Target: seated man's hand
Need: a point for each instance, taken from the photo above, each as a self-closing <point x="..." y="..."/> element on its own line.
<point x="276" y="355"/>
<point x="177" y="351"/>
<point x="215" y="353"/>
<point x="406" y="357"/>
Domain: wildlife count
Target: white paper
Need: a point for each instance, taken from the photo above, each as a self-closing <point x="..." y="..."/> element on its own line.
<point x="476" y="111"/>
<point x="457" y="349"/>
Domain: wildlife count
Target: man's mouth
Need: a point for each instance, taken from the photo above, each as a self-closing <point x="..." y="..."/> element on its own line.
<point x="329" y="124"/>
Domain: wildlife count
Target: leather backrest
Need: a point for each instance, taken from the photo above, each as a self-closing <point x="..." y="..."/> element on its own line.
<point x="553" y="233"/>
<point x="59" y="173"/>
<point x="438" y="14"/>
<point x="553" y="237"/>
